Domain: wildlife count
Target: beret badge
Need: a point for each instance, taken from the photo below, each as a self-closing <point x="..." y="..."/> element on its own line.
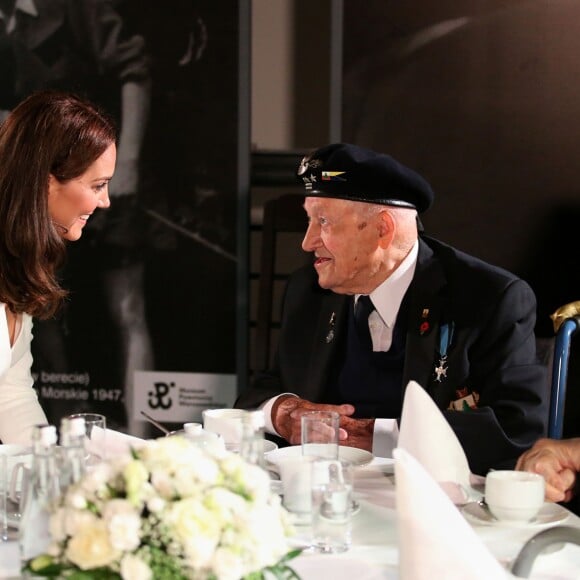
<point x="308" y="165"/>
<point x="308" y="162"/>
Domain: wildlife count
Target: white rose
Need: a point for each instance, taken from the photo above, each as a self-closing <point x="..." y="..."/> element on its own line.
<point x="75" y="521"/>
<point x="228" y="565"/>
<point x="124" y="525"/>
<point x="97" y="478"/>
<point x="91" y="547"/>
<point x="195" y="528"/>
<point x="260" y="535"/>
<point x="225" y="503"/>
<point x="256" y="481"/>
<point x="191" y="481"/>
<point x="199" y="551"/>
<point x="133" y="568"/>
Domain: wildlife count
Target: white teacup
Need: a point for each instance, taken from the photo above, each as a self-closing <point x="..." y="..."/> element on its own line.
<point x="515" y="496"/>
<point x="227" y="423"/>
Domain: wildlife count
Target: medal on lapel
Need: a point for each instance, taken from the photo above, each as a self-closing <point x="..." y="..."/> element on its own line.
<point x="445" y="338"/>
<point x="424" y="327"/>
<point x="330" y="335"/>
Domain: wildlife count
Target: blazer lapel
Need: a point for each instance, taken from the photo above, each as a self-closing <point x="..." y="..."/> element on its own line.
<point x="329" y="334"/>
<point x="426" y="301"/>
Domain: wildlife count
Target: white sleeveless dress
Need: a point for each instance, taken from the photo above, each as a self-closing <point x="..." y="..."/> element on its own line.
<point x="19" y="406"/>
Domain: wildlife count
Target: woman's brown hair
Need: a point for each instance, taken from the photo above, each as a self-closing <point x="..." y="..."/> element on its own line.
<point x="49" y="133"/>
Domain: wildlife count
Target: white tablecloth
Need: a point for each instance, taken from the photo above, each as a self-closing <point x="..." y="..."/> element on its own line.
<point x="374" y="553"/>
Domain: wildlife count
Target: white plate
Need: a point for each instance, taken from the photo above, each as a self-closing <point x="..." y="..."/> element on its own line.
<point x="268" y="446"/>
<point x="551" y="513"/>
<point x="358" y="457"/>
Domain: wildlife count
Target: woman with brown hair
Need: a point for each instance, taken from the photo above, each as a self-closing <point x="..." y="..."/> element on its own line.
<point x="57" y="156"/>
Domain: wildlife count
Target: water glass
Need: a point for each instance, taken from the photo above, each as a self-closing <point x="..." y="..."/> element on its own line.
<point x="15" y="462"/>
<point x="95" y="428"/>
<point x="3" y="498"/>
<point x="225" y="422"/>
<point x="331" y="487"/>
<point x="320" y="434"/>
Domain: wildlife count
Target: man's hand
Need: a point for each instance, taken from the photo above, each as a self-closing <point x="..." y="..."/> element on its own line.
<point x="558" y="461"/>
<point x="359" y="432"/>
<point x="287" y="412"/>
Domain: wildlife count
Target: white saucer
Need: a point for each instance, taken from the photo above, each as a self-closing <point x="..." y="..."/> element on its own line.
<point x="269" y="446"/>
<point x="550" y="514"/>
<point x="358" y="457"/>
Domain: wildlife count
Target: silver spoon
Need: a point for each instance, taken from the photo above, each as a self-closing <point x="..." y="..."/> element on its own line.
<point x="154" y="422"/>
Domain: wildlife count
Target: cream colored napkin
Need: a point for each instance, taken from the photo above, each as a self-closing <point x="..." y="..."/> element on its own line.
<point x="428" y="437"/>
<point x="435" y="541"/>
<point x="107" y="443"/>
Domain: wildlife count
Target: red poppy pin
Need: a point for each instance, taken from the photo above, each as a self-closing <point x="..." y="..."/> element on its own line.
<point x="424" y="326"/>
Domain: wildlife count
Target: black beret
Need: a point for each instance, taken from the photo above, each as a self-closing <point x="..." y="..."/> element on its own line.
<point x="350" y="172"/>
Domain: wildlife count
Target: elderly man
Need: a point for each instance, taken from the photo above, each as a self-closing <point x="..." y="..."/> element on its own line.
<point x="383" y="305"/>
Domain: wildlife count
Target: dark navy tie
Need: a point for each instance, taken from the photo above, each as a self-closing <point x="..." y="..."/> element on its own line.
<point x="362" y="311"/>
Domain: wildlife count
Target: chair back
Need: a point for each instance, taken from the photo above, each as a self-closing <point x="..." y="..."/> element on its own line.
<point x="282" y="215"/>
<point x="561" y="360"/>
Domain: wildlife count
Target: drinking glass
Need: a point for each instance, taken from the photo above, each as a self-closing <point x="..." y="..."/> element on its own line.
<point x="96" y="429"/>
<point x="3" y="498"/>
<point x="320" y="434"/>
<point x="15" y="462"/>
<point x="225" y="422"/>
<point x="331" y="487"/>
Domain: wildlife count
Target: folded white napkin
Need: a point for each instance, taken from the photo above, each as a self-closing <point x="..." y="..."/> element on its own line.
<point x="107" y="443"/>
<point x="428" y="437"/>
<point x="435" y="541"/>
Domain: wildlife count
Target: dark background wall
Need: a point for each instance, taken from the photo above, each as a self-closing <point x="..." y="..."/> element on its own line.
<point x="483" y="99"/>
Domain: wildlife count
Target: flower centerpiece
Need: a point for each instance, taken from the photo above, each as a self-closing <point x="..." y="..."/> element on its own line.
<point x="169" y="510"/>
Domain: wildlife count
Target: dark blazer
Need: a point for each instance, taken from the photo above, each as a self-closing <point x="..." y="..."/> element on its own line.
<point x="492" y="354"/>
